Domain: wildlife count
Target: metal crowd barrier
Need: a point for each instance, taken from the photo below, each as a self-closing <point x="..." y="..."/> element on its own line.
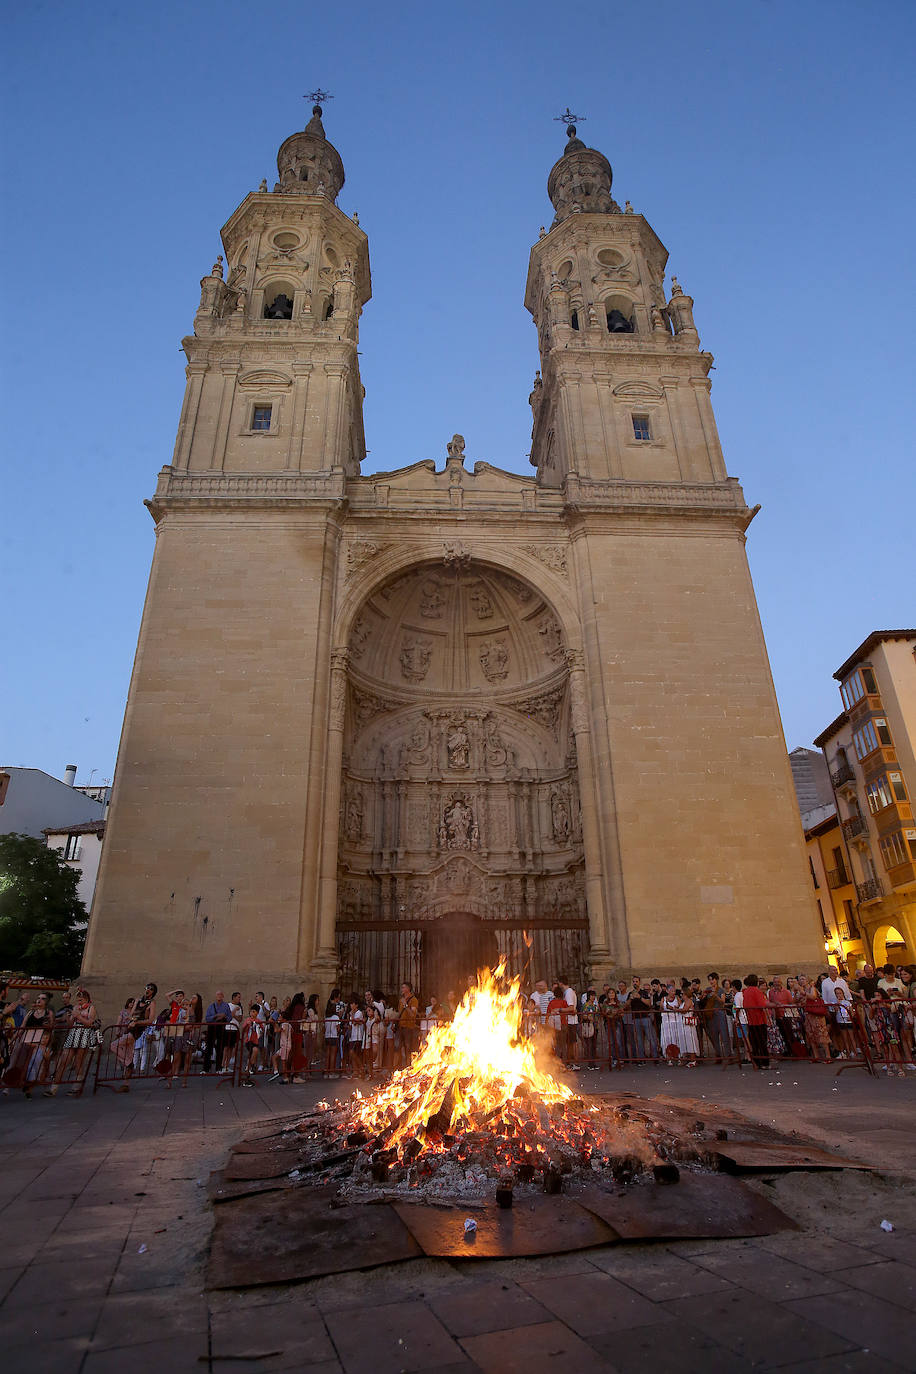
<point x="48" y="1060"/>
<point x="171" y="1053"/>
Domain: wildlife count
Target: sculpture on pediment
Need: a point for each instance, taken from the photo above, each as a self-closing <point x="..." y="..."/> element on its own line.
<point x="494" y="660"/>
<point x="415" y="656"/>
<point x="458" y="745"/>
<point x="455" y="447"/>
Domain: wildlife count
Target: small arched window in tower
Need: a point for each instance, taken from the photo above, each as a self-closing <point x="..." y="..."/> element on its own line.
<point x="280" y="307"/>
<point x="617" y="322"/>
<point x="329" y="308"/>
<point x="574" y="319"/>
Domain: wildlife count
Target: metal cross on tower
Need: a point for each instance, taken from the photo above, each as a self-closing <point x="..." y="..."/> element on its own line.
<point x="568" y="118"/>
<point x="318" y="97"/>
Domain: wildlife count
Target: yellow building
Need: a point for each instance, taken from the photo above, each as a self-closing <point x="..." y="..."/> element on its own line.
<point x="871" y="752"/>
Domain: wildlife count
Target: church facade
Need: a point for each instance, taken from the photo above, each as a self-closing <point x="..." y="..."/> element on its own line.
<point x="392" y="726"/>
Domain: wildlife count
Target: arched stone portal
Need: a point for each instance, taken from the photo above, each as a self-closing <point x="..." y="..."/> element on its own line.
<point x="460" y="820"/>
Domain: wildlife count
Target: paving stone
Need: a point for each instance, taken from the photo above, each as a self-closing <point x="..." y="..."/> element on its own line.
<point x="299" y="1335"/>
<point x="898" y="1245"/>
<point x="591" y="1303"/>
<point x="478" y="1307"/>
<point x="864" y="1320"/>
<point x="762" y="1333"/>
<point x="90" y="1278"/>
<point x="542" y="1349"/>
<point x="657" y="1274"/>
<point x="664" y="1349"/>
<point x="8" y="1277"/>
<point x="138" y="1318"/>
<point x="821" y="1253"/>
<point x="34" y="1322"/>
<point x="387" y="1340"/>
<point x="771" y="1276"/>
<point x="855" y="1362"/>
<point x="70" y="1247"/>
<point x="889" y="1279"/>
<point x="55" y="1357"/>
<point x="178" y="1355"/>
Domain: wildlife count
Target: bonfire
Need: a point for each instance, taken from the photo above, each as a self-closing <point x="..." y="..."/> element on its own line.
<point x="475" y="1107"/>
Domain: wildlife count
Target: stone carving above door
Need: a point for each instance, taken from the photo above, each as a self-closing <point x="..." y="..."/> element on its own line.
<point x="494" y="660"/>
<point x="415" y="658"/>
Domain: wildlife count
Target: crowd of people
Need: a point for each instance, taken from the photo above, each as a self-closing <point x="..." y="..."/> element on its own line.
<point x="369" y="1034"/>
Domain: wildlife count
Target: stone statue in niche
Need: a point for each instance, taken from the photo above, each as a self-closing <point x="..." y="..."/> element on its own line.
<point x="458" y="745"/>
<point x="481" y="602"/>
<point x="415" y="659"/>
<point x="559" y="815"/>
<point x="494" y="660"/>
<point x="551" y="637"/>
<point x="353" y="816"/>
<point x="432" y="600"/>
<point x="460" y="828"/>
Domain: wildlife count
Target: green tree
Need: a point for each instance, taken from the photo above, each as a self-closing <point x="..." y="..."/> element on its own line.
<point x="39" y="910"/>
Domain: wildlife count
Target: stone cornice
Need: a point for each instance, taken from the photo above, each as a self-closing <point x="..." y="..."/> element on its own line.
<point x="198" y="490"/>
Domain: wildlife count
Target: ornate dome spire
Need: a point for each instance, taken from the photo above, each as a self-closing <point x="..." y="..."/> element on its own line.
<point x="308" y="164"/>
<point x="581" y="181"/>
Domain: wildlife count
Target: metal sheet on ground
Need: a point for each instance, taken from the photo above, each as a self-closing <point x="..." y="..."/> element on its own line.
<point x="698" y="1206"/>
<point x="757" y="1155"/>
<point x="301" y="1236"/>
<point x="535" y="1226"/>
<point x="246" y="1167"/>
<point x="221" y="1189"/>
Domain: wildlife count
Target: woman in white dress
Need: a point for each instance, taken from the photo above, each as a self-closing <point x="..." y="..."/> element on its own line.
<point x="678" y="1025"/>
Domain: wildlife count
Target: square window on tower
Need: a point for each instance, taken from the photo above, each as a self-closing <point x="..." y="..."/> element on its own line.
<point x="641" y="427"/>
<point x="260" y="419"/>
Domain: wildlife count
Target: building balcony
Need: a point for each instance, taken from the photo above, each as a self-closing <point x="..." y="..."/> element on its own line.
<point x="870" y="890"/>
<point x="843" y="776"/>
<point x="848" y="931"/>
<point x="855" y="825"/>
<point x="837" y="877"/>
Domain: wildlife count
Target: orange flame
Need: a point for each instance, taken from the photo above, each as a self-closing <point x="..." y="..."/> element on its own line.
<point x="469" y="1069"/>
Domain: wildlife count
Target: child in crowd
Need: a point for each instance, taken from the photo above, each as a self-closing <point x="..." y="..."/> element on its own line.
<point x="356" y="1027"/>
<point x="252" y="1034"/>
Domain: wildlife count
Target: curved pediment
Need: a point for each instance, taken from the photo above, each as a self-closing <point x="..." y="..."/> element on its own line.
<point x="262" y="377"/>
<point x="639" y="390"/>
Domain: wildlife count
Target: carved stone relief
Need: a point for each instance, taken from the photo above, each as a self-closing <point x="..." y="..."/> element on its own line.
<point x="520" y="590"/>
<point x="361" y="632"/>
<point x="497" y="753"/>
<point x="553" y="556"/>
<point x="494" y="660"/>
<point x="544" y="708"/>
<point x="481" y="602"/>
<point x="359" y="551"/>
<point x="366" y="706"/>
<point x="353" y="814"/>
<point x="455" y="555"/>
<point x="415" y="657"/>
<point x="432" y="600"/>
<point x="551" y="637"/>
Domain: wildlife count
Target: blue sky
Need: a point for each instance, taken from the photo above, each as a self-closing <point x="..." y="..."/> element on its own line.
<point x="768" y="143"/>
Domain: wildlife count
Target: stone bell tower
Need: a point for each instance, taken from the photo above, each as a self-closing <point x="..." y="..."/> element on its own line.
<point x="298" y="278"/>
<point x="624" y="394"/>
<point x="212" y="853"/>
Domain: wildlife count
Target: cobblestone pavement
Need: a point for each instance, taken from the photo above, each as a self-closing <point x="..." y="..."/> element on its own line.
<point x="106" y="1226"/>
